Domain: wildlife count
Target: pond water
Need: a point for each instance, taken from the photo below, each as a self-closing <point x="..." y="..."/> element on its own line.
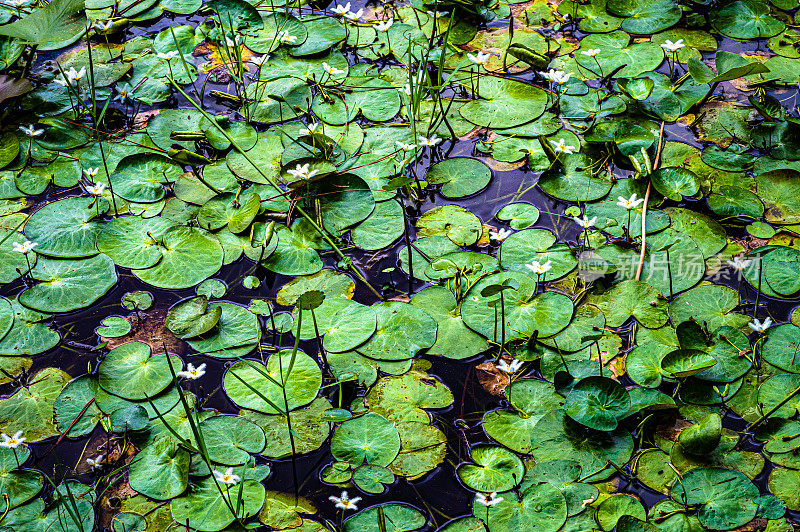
<point x="207" y="178"/>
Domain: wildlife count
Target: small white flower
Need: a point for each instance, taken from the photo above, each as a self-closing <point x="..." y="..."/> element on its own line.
<point x="311" y="128"/>
<point x="429" y="142"/>
<point x="509" y="368"/>
<point x="103" y="26"/>
<point x="561" y="77"/>
<point x="405" y="147"/>
<point x="121" y="96"/>
<point x="437" y="14"/>
<point x="258" y="61"/>
<point x="74" y="76"/>
<point x="301" y="172"/>
<point x="333" y="71"/>
<point x="479" y="59"/>
<point x="760" y="326"/>
<point x="539" y="269"/>
<point x="673" y="46"/>
<point x="97" y="463"/>
<point x="407" y="89"/>
<point x="96" y="189"/>
<point x="500" y="235"/>
<point x="350" y="15"/>
<point x="739" y="263"/>
<point x="91" y="172"/>
<point x="31" y="131"/>
<point x="168" y="56"/>
<point x="286" y="38"/>
<point x="585" y="222"/>
<point x="629" y="203"/>
<point x="491" y="500"/>
<point x="24" y="248"/>
<point x="384" y="25"/>
<point x="344" y="502"/>
<point x="192" y="372"/>
<point x="227" y="478"/>
<point x="561" y="147"/>
<point x="591" y="52"/>
<point x="341" y="10"/>
<point x="11" y="442"/>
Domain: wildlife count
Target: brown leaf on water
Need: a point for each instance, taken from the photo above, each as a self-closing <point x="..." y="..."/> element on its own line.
<point x="501" y="166"/>
<point x="12" y="87"/>
<point x="492" y="379"/>
<point x="151" y="330"/>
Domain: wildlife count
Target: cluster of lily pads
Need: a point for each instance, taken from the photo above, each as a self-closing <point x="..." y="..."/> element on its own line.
<point x="278" y="199"/>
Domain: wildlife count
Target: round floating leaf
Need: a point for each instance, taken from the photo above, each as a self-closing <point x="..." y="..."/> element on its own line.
<point x="190" y="318"/>
<point x="452" y="221"/>
<point x="77" y="399"/>
<point x="459" y="176"/>
<point x="132" y="241"/>
<point x="206" y="505"/>
<point x="349" y="328"/>
<point x="161" y="470"/>
<point x="189" y="256"/>
<point x="402" y="331"/>
<point x="251" y="385"/>
<point x="370" y="439"/>
<point x="381" y="228"/>
<point x="745" y="19"/>
<point x="66" y="228"/>
<point x="542" y="507"/>
<point x="309" y="429"/>
<point x="615" y="507"/>
<point x="505" y="103"/>
<point x="453" y="338"/>
<point x="131" y="373"/>
<point x="114" y="327"/>
<point x="230" y="440"/>
<point x="675" y="183"/>
<point x="558" y="436"/>
<point x="495" y="469"/>
<point x="598" y="403"/>
<point x="67" y="285"/>
<point x="725" y="497"/>
<point x="396" y="517"/>
<point x="237" y="330"/>
<point x="519" y="215"/>
<point x="30" y="409"/>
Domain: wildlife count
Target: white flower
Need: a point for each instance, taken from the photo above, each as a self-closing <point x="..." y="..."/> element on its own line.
<point x="539" y="269"/>
<point x="96" y="463"/>
<point x="405" y="147"/>
<point x="760" y="326"/>
<point x="227" y="477"/>
<point x="11" y="442"/>
<point x="311" y="128"/>
<point x="509" y="368"/>
<point x="630" y="203"/>
<point x="333" y="71"/>
<point x="500" y="235"/>
<point x="591" y="52"/>
<point x="561" y="147"/>
<point x="96" y="189"/>
<point x="24" y="248"/>
<point x="739" y="263"/>
<point x="344" y="502"/>
<point x="354" y="15"/>
<point x="429" y="142"/>
<point x="103" y="26"/>
<point x="556" y="76"/>
<point x="491" y="500"/>
<point x="407" y="89"/>
<point x="91" y="172"/>
<point x="301" y="172"/>
<point x="286" y="38"/>
<point x="121" y="96"/>
<point x="479" y="59"/>
<point x="437" y="14"/>
<point x="169" y="56"/>
<point x="71" y="76"/>
<point x="673" y="46"/>
<point x="339" y="10"/>
<point x="258" y="61"/>
<point x="31" y="131"/>
<point x="384" y="25"/>
<point x="585" y="222"/>
<point x="192" y="372"/>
